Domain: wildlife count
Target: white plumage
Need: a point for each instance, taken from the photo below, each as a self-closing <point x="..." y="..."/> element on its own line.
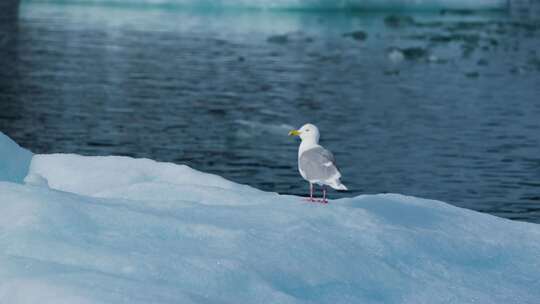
<point x="316" y="164"/>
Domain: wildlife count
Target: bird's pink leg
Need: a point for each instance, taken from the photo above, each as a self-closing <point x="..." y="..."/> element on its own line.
<point x="324" y="200"/>
<point x="311" y="199"/>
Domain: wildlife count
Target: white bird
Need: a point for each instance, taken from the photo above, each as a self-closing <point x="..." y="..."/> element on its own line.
<point x="316" y="164"/>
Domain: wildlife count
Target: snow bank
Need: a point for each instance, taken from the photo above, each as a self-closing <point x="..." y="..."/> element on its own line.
<point x="122" y="230"/>
<point x="14" y="160"/>
<point x="124" y="177"/>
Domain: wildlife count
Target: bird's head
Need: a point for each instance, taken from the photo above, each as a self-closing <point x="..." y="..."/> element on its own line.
<point x="307" y="132"/>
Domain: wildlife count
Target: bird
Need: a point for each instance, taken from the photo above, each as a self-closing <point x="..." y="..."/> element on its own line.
<point x="316" y="164"/>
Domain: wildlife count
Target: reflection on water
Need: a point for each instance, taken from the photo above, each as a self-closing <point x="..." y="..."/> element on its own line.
<point x="437" y="106"/>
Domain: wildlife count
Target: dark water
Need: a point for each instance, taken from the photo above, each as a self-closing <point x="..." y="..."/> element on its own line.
<point x="457" y="119"/>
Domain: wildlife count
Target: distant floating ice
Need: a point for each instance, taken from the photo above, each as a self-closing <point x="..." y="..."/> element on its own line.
<point x="396" y="55"/>
<point x="313" y="4"/>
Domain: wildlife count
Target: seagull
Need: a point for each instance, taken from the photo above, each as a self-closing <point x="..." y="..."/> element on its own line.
<point x="316" y="164"/>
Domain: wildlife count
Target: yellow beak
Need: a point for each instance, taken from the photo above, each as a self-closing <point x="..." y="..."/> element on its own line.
<point x="294" y="133"/>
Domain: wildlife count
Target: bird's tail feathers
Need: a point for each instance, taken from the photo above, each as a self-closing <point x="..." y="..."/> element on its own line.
<point x="338" y="185"/>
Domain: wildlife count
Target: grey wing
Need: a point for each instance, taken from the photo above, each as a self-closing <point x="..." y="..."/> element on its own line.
<point x="328" y="155"/>
<point x="318" y="164"/>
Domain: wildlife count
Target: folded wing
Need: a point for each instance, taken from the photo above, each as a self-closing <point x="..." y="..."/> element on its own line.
<point x="318" y="165"/>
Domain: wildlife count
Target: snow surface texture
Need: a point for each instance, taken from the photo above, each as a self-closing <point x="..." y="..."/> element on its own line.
<point x="123" y="230"/>
<point x="308" y="4"/>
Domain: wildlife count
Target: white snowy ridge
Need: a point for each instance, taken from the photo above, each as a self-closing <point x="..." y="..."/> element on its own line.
<point x="123" y="230"/>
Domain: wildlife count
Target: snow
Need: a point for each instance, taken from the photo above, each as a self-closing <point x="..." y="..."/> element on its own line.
<point x="123" y="230"/>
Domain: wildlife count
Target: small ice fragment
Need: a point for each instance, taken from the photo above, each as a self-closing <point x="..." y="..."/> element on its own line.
<point x="396" y="55"/>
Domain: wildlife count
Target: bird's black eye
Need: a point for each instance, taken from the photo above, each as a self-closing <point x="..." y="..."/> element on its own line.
<point x="307" y="130"/>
